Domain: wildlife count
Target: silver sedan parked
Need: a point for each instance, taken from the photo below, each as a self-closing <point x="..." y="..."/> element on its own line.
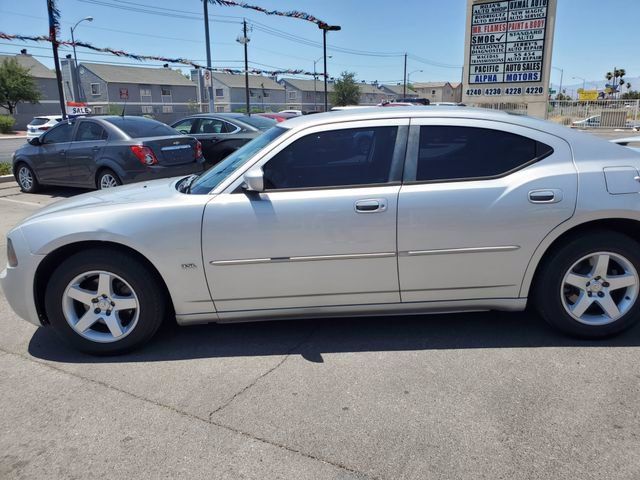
<point x="361" y="212"/>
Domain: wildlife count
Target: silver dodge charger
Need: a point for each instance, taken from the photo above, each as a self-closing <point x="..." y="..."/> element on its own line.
<point x="363" y="212"/>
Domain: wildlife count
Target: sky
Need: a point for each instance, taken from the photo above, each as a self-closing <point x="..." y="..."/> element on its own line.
<point x="589" y="38"/>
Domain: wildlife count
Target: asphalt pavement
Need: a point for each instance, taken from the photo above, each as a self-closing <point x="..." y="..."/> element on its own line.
<point x="8" y="146"/>
<point x="461" y="396"/>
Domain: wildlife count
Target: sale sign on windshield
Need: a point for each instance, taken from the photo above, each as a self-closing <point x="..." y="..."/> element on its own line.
<point x="75" y="109"/>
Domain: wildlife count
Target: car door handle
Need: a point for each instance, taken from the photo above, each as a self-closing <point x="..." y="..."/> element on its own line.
<point x="371" y="205"/>
<point x="545" y="196"/>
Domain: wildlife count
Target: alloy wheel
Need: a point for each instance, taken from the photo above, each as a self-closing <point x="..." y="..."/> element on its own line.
<point x="108" y="181"/>
<point x="600" y="288"/>
<point x="25" y="178"/>
<point x="101" y="306"/>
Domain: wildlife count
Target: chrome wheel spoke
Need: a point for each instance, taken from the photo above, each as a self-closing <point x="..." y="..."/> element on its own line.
<point x="609" y="306"/>
<point x="617" y="282"/>
<point x="86" y="321"/>
<point x="601" y="265"/>
<point x="104" y="284"/>
<point x="114" y="325"/>
<point x="578" y="281"/>
<point x="124" y="303"/>
<point x="582" y="305"/>
<point x="81" y="295"/>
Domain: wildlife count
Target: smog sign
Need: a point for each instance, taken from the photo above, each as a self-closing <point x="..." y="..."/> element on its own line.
<point x="507" y="42"/>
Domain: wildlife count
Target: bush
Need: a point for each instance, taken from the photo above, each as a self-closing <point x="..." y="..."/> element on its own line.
<point x="6" y="123"/>
<point x="5" y="169"/>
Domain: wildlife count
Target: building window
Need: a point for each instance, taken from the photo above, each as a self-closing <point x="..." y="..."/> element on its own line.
<point x="165" y="91"/>
<point x="292" y="95"/>
<point x="98" y="110"/>
<point x="167" y="109"/>
<point x="147" y="109"/>
<point x="145" y="94"/>
<point x="219" y="92"/>
<point x="219" y="109"/>
<point x="265" y="93"/>
<point x="433" y="92"/>
<point x="95" y="89"/>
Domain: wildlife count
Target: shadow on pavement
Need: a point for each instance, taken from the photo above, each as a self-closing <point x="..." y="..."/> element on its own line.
<point x="312" y="338"/>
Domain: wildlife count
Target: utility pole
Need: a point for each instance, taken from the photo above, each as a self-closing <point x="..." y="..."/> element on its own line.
<point x="244" y="40"/>
<point x="325" y="28"/>
<point x="404" y="85"/>
<point x="206" y="35"/>
<point x="78" y="93"/>
<point x="56" y="60"/>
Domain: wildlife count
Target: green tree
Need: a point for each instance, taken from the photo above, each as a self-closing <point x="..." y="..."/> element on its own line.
<point x="631" y="95"/>
<point x="16" y="85"/>
<point x="345" y="90"/>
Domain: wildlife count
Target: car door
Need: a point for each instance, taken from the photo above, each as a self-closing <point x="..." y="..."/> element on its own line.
<point x="478" y="197"/>
<point x="213" y="134"/>
<point x="323" y="233"/>
<point x="89" y="141"/>
<point x="51" y="166"/>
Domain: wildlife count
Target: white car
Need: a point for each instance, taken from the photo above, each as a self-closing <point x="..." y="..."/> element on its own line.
<point x="593" y="121"/>
<point x="632" y="142"/>
<point x="41" y="124"/>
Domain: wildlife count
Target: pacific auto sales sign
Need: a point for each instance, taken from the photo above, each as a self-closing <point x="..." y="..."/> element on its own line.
<point x="507" y="43"/>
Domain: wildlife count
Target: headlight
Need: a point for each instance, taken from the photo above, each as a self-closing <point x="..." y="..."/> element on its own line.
<point x="12" y="259"/>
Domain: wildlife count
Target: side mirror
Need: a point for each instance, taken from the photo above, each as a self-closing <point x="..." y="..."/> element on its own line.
<point x="35" y="141"/>
<point x="254" y="180"/>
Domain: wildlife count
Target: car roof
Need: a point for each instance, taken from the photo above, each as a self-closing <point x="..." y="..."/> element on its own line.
<point x="219" y="114"/>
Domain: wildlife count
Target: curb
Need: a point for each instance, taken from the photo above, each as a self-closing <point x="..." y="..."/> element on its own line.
<point x="13" y="137"/>
<point x="7" y="178"/>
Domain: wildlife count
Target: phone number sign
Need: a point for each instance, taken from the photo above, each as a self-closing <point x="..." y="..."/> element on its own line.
<point x="507" y="42"/>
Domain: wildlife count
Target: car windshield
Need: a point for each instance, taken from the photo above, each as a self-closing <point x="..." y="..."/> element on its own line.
<point x="256" y="121"/>
<point x="138" y="127"/>
<point x="216" y="174"/>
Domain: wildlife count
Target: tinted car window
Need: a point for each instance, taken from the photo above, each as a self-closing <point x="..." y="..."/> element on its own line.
<point x="454" y="153"/>
<point x="38" y="121"/>
<point x="355" y="156"/>
<point x="88" y="131"/>
<point x="59" y="134"/>
<point x="261" y="123"/>
<point x="211" y="125"/>
<point x="137" y="127"/>
<point x="184" y="126"/>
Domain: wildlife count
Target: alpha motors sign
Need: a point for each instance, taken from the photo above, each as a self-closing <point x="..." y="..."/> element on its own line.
<point x="508" y="49"/>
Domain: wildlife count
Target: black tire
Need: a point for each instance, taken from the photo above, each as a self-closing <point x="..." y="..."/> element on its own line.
<point x="22" y="173"/>
<point x="548" y="293"/>
<point x="104" y="174"/>
<point x="150" y="295"/>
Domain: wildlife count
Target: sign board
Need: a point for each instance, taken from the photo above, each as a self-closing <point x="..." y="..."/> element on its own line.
<point x="124" y="94"/>
<point x="508" y="51"/>
<point x="587" y="95"/>
<point x="207" y="78"/>
<point x="75" y="109"/>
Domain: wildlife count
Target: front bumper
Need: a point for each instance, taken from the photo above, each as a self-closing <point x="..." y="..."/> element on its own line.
<point x="17" y="282"/>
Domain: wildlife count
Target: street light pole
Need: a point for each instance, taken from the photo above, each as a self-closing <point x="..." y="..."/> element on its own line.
<point x="404" y="85"/>
<point x="326" y="28"/>
<point x="315" y="83"/>
<point x="580" y="78"/>
<point x="409" y="76"/>
<point x="76" y="79"/>
<point x="206" y="39"/>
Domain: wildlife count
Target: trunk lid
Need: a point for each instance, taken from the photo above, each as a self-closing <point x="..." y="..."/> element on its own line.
<point x="175" y="150"/>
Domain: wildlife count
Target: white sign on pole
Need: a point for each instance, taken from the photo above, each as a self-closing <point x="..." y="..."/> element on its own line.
<point x="207" y="78"/>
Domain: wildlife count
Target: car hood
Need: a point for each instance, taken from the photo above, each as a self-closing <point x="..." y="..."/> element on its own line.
<point x="135" y="193"/>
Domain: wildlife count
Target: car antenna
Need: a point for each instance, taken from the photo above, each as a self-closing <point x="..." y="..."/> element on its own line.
<point x="124" y="106"/>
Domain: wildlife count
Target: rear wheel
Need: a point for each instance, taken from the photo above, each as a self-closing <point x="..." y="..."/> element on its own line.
<point x="104" y="302"/>
<point x="108" y="179"/>
<point x="590" y="286"/>
<point x="26" y="178"/>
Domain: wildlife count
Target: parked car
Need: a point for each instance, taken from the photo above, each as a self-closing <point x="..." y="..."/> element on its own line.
<point x="592" y="121"/>
<point x="278" y="117"/>
<point x="443" y="209"/>
<point x="631" y="142"/>
<point x="223" y="133"/>
<point x="415" y="101"/>
<point x="395" y="104"/>
<point x="41" y="124"/>
<point x="104" y="152"/>
<point x="297" y="113"/>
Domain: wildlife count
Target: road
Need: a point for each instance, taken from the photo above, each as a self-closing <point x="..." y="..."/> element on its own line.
<point x="464" y="396"/>
<point x="8" y="146"/>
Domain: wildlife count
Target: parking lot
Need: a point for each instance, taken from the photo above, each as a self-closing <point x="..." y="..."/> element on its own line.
<point x="482" y="395"/>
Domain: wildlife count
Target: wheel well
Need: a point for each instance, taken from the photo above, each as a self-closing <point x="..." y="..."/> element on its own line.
<point x="53" y="260"/>
<point x="631" y="228"/>
<point x="100" y="170"/>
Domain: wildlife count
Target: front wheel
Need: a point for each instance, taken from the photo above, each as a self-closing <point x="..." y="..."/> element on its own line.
<point x="26" y="178"/>
<point x="590" y="286"/>
<point x="104" y="302"/>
